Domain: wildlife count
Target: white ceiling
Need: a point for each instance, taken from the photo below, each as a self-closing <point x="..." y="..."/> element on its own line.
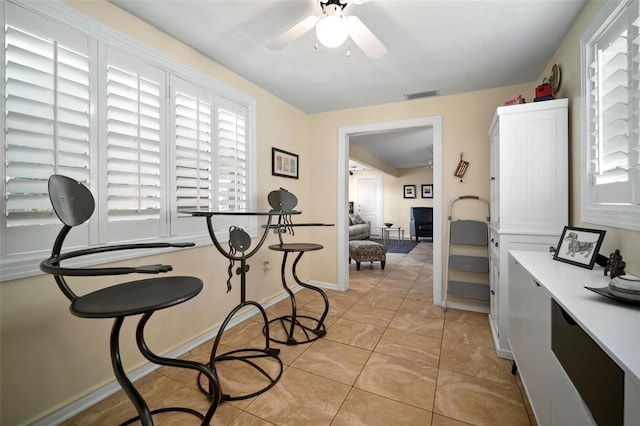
<point x="453" y="46"/>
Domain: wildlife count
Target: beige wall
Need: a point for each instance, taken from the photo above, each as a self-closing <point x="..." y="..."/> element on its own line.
<point x="395" y="208"/>
<point x="50" y="358"/>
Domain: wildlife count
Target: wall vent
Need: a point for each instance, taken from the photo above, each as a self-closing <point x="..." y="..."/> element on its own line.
<point x="425" y="94"/>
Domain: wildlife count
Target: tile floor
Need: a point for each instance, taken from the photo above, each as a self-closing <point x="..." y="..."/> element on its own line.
<point x="390" y="357"/>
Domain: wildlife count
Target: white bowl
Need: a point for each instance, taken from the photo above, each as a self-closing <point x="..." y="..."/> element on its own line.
<point x="625" y="287"/>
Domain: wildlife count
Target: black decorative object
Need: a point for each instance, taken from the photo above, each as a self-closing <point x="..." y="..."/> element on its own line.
<point x="615" y="265"/>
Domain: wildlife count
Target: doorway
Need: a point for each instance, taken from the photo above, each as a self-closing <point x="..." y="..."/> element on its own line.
<point x="343" y="191"/>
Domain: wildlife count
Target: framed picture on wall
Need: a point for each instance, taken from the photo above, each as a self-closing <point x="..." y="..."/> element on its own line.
<point x="427" y="191"/>
<point x="409" y="191"/>
<point x="284" y="163"/>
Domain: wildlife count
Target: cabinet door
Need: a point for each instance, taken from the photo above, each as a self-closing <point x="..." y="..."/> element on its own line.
<point x="567" y="408"/>
<point x="537" y="352"/>
<point x="530" y="338"/>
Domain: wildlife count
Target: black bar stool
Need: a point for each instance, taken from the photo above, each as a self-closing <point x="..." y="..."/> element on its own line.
<point x="74" y="205"/>
<point x="313" y="328"/>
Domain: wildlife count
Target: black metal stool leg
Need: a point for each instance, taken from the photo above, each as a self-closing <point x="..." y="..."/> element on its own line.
<point x="290" y="322"/>
<point x="209" y="372"/>
<point x="320" y="327"/>
<point x="144" y="415"/>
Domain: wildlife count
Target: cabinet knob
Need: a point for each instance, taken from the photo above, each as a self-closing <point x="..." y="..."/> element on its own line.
<point x="492" y="240"/>
<point x="493" y="292"/>
<point x="496" y="244"/>
<point x="492" y="178"/>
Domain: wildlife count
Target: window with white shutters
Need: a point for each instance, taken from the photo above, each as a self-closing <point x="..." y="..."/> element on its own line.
<point x="192" y="131"/>
<point x="47" y="126"/>
<point x="231" y="158"/>
<point x="611" y="194"/>
<point x="149" y="136"/>
<point x="135" y="104"/>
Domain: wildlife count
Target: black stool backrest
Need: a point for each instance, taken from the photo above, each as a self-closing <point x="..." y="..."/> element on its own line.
<point x="282" y="200"/>
<point x="72" y="202"/>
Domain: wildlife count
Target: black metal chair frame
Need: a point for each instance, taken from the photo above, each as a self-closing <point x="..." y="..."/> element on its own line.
<point x="283" y="201"/>
<point x="74" y="205"/>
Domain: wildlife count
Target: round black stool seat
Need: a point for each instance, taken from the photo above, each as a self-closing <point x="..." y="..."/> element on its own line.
<point x="296" y="247"/>
<point x="312" y="328"/>
<point x="136" y="297"/>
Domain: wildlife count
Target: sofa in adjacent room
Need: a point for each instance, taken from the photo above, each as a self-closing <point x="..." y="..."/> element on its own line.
<point x="359" y="229"/>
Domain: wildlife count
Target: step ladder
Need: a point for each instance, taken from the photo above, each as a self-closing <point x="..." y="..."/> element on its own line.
<point x="467" y="255"/>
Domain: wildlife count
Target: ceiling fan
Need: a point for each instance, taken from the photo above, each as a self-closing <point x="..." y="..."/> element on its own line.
<point x="333" y="28"/>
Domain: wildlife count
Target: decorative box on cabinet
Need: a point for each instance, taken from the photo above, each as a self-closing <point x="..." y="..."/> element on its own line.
<point x="529" y="193"/>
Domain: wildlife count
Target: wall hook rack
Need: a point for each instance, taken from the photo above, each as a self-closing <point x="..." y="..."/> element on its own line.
<point x="462" y="168"/>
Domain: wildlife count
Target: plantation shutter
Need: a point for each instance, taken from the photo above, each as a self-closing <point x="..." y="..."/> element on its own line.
<point x="615" y="110"/>
<point x="231" y="155"/>
<point x="47" y="123"/>
<point x="134" y="148"/>
<point x="192" y="154"/>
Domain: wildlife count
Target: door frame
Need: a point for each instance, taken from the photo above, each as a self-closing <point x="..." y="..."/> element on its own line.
<point x="343" y="194"/>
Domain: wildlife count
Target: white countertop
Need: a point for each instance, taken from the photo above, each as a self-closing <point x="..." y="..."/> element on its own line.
<point x="613" y="325"/>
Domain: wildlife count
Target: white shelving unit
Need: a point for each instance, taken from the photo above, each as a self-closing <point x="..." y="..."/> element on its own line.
<point x="529" y="193"/>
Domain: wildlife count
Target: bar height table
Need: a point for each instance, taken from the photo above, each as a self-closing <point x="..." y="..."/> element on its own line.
<point x="240" y="242"/>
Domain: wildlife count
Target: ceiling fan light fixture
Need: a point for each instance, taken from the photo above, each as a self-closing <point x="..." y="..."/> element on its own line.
<point x="332" y="29"/>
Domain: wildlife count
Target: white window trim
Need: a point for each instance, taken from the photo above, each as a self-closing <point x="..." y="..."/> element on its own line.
<point x="27" y="264"/>
<point x="624" y="217"/>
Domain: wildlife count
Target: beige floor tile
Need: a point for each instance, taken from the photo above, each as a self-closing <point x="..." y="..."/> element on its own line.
<point x="477" y="361"/>
<point x="300" y="398"/>
<point x="475" y="334"/>
<point x="369" y="314"/>
<point x="338" y="303"/>
<point x="418" y="322"/>
<point x="413" y="347"/>
<point x="379" y="299"/>
<point x="366" y="409"/>
<point x="439" y="420"/>
<point x="246" y="419"/>
<point x="478" y="401"/>
<point x="467" y="317"/>
<point x="399" y="379"/>
<point x="334" y="361"/>
<point x="238" y="378"/>
<point x="355" y="333"/>
<point x="427" y="308"/>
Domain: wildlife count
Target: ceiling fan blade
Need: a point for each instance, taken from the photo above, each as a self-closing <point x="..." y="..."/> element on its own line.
<point x="293" y="33"/>
<point x="364" y="38"/>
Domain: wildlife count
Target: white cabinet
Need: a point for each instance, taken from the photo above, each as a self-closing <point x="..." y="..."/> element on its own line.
<point x="539" y="286"/>
<point x="529" y="193"/>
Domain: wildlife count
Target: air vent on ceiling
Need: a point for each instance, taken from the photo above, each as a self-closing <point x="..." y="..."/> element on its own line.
<point x="425" y="94"/>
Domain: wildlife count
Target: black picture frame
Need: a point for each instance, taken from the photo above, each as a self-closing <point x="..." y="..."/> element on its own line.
<point x="409" y="191"/>
<point x="427" y="191"/>
<point x="284" y="163"/>
<point x="579" y="246"/>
